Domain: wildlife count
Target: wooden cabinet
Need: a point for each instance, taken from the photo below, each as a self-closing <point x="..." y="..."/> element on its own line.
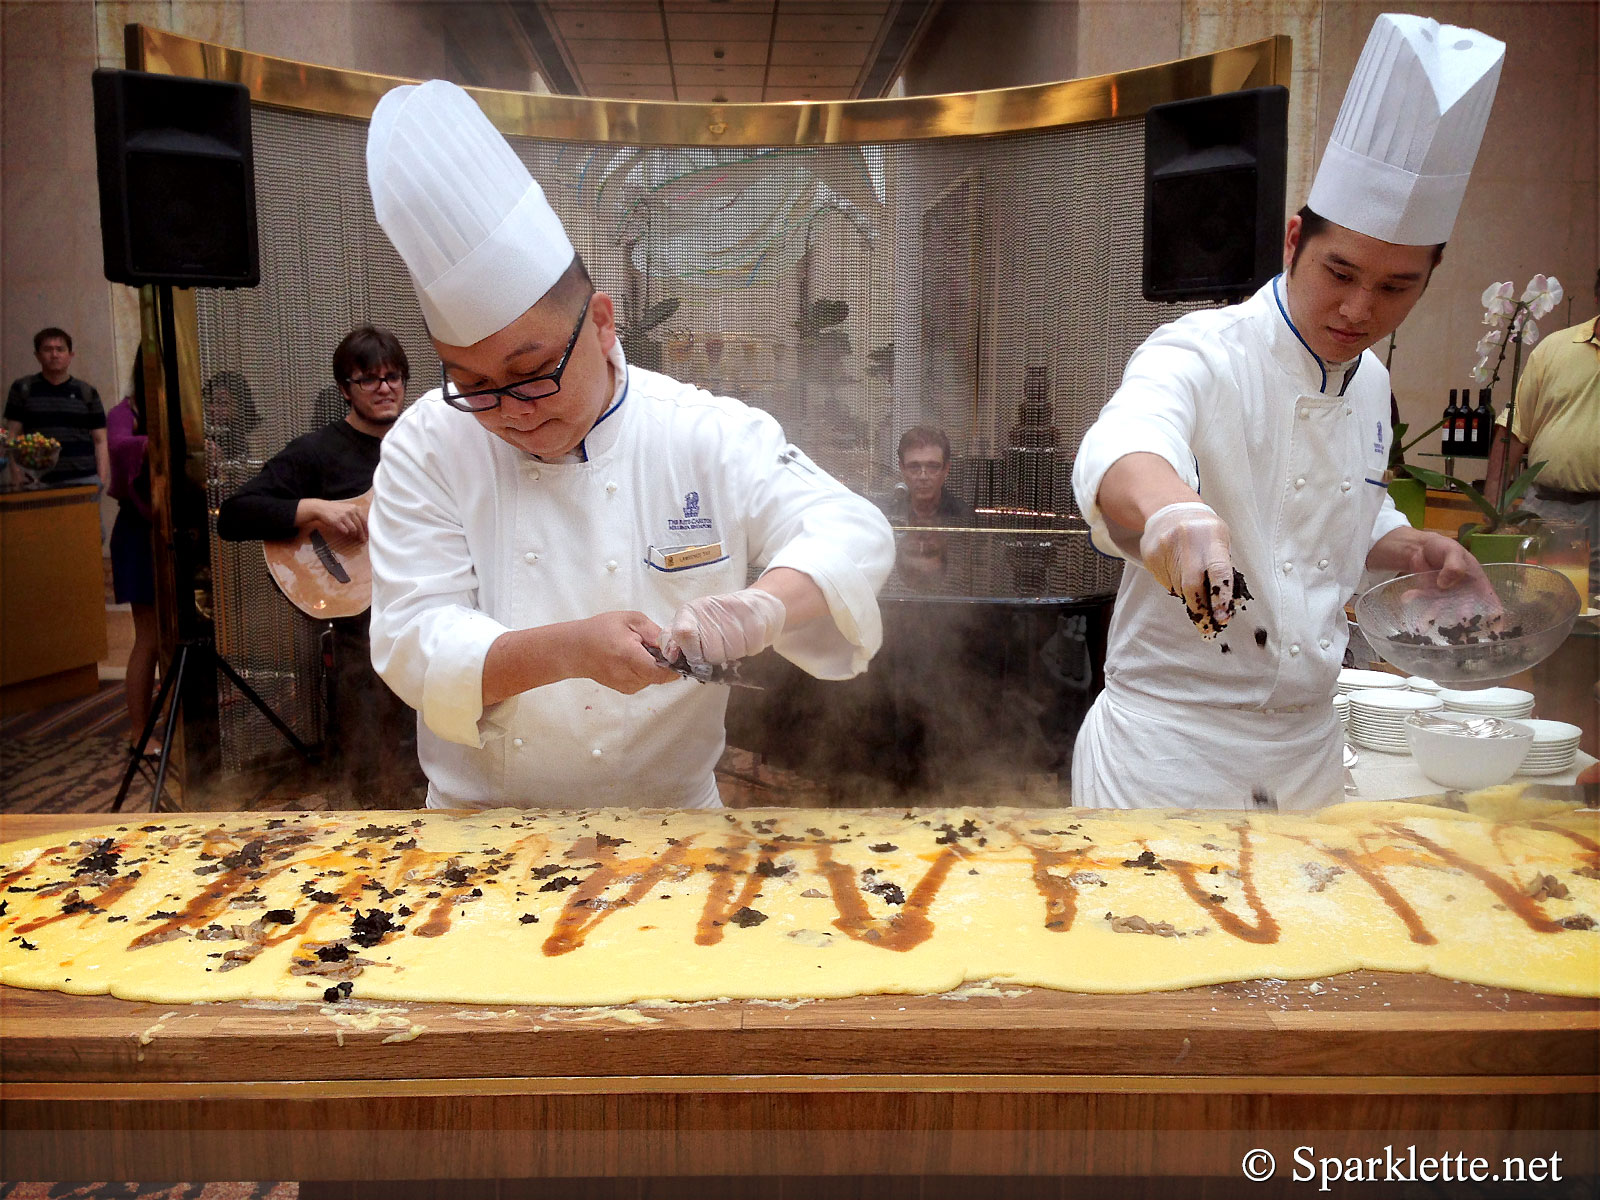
<point x="52" y="597"/>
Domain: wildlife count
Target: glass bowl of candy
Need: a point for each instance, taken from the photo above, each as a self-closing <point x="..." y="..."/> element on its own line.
<point x="35" y="455"/>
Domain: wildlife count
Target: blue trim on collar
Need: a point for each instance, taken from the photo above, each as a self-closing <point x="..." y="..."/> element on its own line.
<point x="1284" y="312"/>
<point x="627" y="382"/>
<point x="1351" y="373"/>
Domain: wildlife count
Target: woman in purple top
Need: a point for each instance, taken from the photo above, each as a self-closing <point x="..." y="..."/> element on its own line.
<point x="132" y="556"/>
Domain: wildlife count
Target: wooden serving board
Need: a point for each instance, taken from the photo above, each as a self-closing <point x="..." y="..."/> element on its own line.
<point x="986" y="1080"/>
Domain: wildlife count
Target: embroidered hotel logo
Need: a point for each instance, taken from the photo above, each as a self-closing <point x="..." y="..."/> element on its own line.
<point x="691" y="515"/>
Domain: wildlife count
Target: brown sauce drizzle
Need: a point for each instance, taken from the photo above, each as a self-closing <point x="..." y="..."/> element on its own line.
<point x="1530" y="912"/>
<point x="721" y="903"/>
<point x="105" y="899"/>
<point x="1265" y="930"/>
<point x="1060" y="895"/>
<point x="11" y="877"/>
<point x="909" y="927"/>
<point x="1375" y="879"/>
<point x="577" y="916"/>
<point x="1589" y="844"/>
<point x="206" y="906"/>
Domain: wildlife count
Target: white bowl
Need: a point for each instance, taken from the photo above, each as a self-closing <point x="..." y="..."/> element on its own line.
<point x="1491" y="697"/>
<point x="1418" y="684"/>
<point x="1353" y="679"/>
<point x="1392" y="700"/>
<point x="1460" y="761"/>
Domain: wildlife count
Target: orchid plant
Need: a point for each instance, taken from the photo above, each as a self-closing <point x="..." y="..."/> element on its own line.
<point x="1512" y="323"/>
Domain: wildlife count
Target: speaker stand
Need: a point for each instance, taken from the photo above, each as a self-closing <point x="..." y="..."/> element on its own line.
<point x="197" y="653"/>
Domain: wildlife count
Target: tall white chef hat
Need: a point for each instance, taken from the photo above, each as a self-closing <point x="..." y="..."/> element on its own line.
<point x="472" y="225"/>
<point x="1408" y="131"/>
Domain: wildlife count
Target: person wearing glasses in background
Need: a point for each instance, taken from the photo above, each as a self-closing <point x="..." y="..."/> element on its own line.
<point x="553" y="522"/>
<point x="312" y="484"/>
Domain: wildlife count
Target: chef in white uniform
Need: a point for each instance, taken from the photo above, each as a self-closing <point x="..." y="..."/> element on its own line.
<point x="558" y="512"/>
<point x="1254" y="438"/>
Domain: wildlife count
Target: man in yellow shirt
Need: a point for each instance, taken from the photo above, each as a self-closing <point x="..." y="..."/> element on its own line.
<point x="1558" y="423"/>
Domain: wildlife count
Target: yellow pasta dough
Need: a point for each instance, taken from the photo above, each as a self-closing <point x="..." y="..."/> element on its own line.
<point x="608" y="906"/>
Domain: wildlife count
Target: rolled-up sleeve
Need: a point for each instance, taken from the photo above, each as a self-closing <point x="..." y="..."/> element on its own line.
<point x="429" y="639"/>
<point x="801" y="517"/>
<point x="1153" y="411"/>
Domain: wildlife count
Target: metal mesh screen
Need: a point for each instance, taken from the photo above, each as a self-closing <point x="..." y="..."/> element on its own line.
<point x="986" y="286"/>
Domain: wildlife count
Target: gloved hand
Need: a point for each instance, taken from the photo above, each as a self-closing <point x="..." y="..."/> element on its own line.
<point x="1186" y="547"/>
<point x="714" y="630"/>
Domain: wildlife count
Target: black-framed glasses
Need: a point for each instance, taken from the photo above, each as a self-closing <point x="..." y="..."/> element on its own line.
<point x="535" y="387"/>
<point x="371" y="383"/>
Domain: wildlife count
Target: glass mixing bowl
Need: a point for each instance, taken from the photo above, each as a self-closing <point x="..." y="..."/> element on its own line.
<point x="1453" y="635"/>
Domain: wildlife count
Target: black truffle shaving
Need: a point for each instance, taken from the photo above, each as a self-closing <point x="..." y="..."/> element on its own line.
<point x="768" y="869"/>
<point x="102" y="859"/>
<point x="249" y="856"/>
<point x="603" y="842"/>
<point x="27" y="945"/>
<point x="455" y="874"/>
<point x="338" y="952"/>
<point x="324" y="897"/>
<point x="339" y="992"/>
<point x="370" y="929"/>
<point x="1147" y="860"/>
<point x="408" y="844"/>
<point x="890" y="893"/>
<point x="528" y="919"/>
<point x="380" y="831"/>
<point x="559" y="884"/>
<point x="545" y="871"/>
<point x="746" y="917"/>
<point x="279" y="916"/>
<point x="887" y="847"/>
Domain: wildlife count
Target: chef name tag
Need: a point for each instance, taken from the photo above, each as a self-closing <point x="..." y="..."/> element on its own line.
<point x="675" y="558"/>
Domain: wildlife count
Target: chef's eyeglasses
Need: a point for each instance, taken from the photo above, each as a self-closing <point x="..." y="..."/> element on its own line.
<point x="919" y="469"/>
<point x="535" y="387"/>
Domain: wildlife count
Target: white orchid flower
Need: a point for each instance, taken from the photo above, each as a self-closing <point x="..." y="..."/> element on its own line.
<point x="1545" y="297"/>
<point x="1498" y="291"/>
<point x="1493" y="337"/>
<point x="1480" y="372"/>
<point x="1529" y="333"/>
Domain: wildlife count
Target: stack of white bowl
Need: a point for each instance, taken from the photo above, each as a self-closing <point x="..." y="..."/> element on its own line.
<point x="1353" y="680"/>
<point x="1427" y="686"/>
<point x="1504" y="702"/>
<point x="1341" y="709"/>
<point x="1554" y="749"/>
<point x="1378" y="715"/>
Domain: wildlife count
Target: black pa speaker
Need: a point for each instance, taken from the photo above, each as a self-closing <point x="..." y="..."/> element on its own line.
<point x="177" y="180"/>
<point x="1213" y="194"/>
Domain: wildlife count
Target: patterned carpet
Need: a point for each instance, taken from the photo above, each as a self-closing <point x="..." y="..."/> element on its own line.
<point x="68" y="757"/>
<point x="149" y="1191"/>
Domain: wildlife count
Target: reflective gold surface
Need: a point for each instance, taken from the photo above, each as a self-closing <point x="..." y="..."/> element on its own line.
<point x="304" y="87"/>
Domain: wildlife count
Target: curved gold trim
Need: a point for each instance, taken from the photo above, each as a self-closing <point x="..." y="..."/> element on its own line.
<point x="283" y="83"/>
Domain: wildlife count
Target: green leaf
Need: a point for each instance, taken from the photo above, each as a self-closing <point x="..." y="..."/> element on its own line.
<point x="1479" y="500"/>
<point x="1464" y="534"/>
<point x="1514" y="492"/>
<point x="1431" y="478"/>
<point x="1521" y="515"/>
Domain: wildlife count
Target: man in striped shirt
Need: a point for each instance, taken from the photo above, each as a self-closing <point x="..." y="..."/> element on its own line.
<point x="69" y="410"/>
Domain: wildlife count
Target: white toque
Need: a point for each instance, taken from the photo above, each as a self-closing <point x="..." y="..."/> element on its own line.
<point x="1408" y="131"/>
<point x="471" y="224"/>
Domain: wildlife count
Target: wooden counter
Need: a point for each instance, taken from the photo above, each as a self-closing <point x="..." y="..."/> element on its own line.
<point x="52" y="596"/>
<point x="990" y="1081"/>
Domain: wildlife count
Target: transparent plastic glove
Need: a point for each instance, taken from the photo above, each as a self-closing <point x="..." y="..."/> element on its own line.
<point x="1186" y="547"/>
<point x="719" y="629"/>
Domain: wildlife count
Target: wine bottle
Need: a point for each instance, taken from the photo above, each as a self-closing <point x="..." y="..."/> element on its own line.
<point x="1447" y="435"/>
<point x="1484" y="421"/>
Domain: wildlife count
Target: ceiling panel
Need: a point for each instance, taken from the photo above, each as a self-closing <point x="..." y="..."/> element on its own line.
<point x="594" y="23"/>
<point x="701" y="27"/>
<point x="827" y="77"/>
<point x="694" y="75"/>
<point x="699" y="49"/>
<point x="634" y="74"/>
<point x="734" y="54"/>
<point x="820" y="54"/>
<point x="635" y="93"/>
<point x="618" y="51"/>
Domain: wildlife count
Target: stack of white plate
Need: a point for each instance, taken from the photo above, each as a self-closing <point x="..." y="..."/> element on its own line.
<point x="1508" y="703"/>
<point x="1353" y="680"/>
<point x="1377" y="717"/>
<point x="1341" y="709"/>
<point x="1418" y="684"/>
<point x="1554" y="749"/>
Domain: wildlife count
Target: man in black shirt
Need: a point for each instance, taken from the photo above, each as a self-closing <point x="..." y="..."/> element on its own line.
<point x="58" y="406"/>
<point x="310" y="485"/>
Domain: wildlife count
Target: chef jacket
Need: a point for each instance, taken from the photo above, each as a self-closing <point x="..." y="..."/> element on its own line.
<point x="471" y="537"/>
<point x="1290" y="451"/>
